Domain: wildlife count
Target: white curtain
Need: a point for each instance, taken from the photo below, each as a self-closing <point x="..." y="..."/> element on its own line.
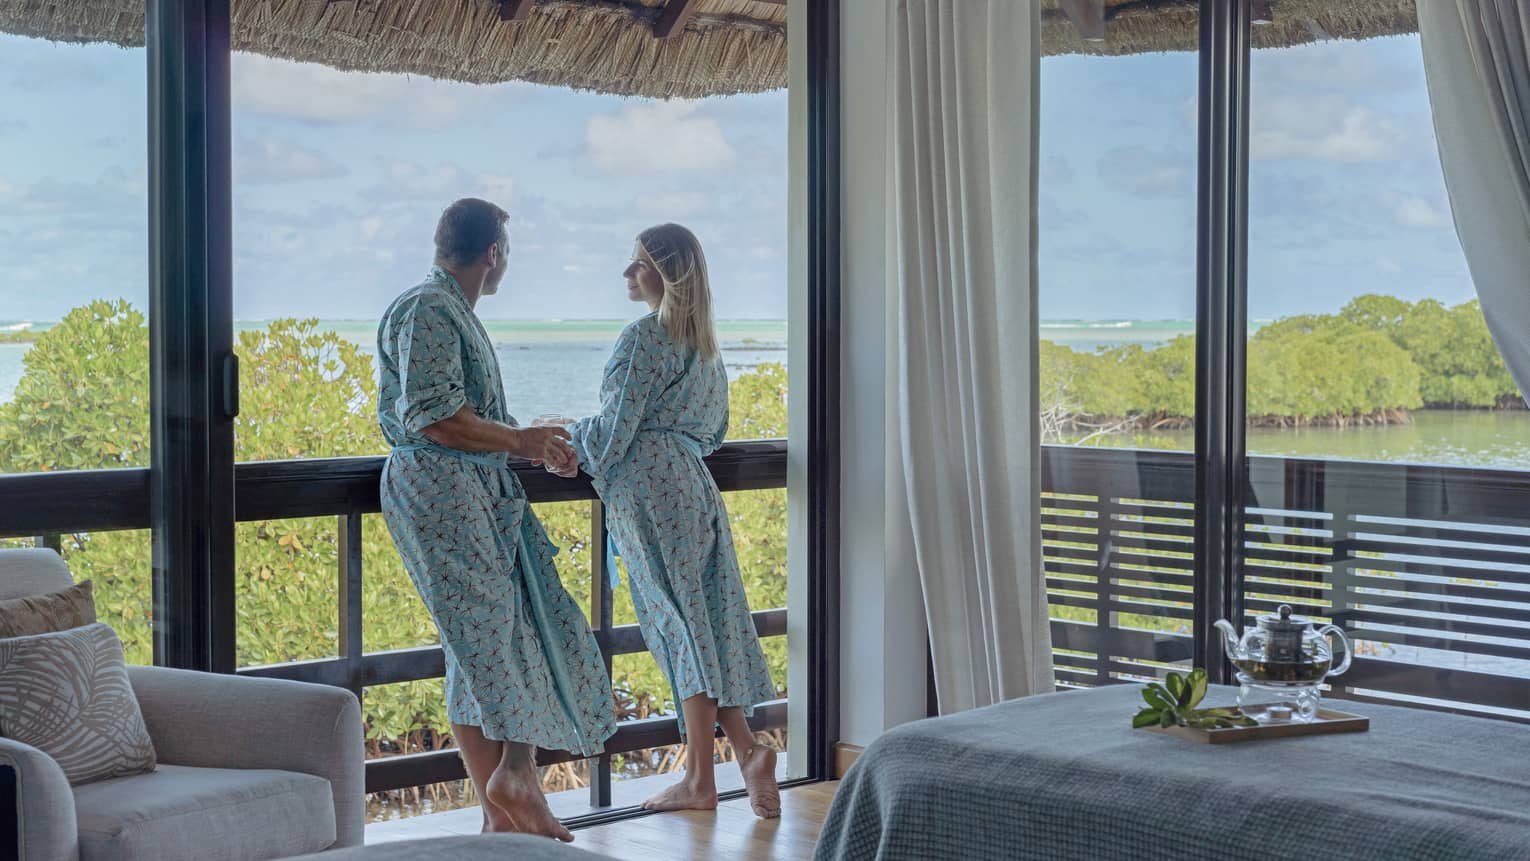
<point x="1477" y="64"/>
<point x="962" y="185"/>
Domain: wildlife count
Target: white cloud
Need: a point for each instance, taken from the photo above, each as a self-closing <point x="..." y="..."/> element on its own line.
<point x="270" y="160"/>
<point x="496" y="187"/>
<point x="1322" y="128"/>
<point x="1148" y="172"/>
<point x="313" y="93"/>
<point x="57" y="71"/>
<point x="1388" y="265"/>
<point x="1417" y="212"/>
<point x="658" y="137"/>
<point x="1056" y="170"/>
<point x="673" y="205"/>
<point x="441" y="183"/>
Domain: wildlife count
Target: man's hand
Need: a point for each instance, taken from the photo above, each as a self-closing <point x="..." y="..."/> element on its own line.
<point x="548" y="446"/>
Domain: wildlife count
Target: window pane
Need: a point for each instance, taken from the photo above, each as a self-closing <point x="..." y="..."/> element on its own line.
<point x="339" y="179"/>
<point x="1117" y="232"/>
<point x="1368" y="359"/>
<point x="74" y="339"/>
<point x="74" y="342"/>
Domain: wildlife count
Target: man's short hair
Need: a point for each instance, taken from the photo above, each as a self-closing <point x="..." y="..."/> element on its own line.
<point x="467" y="229"/>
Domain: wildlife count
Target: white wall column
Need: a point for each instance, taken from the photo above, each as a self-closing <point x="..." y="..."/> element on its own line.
<point x="883" y="651"/>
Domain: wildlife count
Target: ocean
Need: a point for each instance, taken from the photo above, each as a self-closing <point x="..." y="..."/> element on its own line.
<point x="550" y="366"/>
<point x="554" y="366"/>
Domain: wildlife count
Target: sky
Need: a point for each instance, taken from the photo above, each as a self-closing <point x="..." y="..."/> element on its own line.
<point x="339" y="178"/>
<point x="1345" y="191"/>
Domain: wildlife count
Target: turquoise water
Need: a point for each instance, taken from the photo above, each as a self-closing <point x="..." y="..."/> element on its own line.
<point x="1498" y="439"/>
<point x="554" y="366"/>
<point x="550" y="366"/>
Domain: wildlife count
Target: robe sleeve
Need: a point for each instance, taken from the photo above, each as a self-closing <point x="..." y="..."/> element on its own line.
<point x="633" y="376"/>
<point x="428" y="344"/>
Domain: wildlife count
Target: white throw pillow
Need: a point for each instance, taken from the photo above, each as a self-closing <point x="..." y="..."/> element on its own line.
<point x="67" y="694"/>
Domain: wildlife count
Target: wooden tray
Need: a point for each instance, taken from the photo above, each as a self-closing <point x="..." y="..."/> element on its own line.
<point x="1325" y="722"/>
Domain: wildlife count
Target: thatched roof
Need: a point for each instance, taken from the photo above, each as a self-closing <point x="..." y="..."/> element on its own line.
<point x="716" y="47"/>
<point x="722" y="46"/>
<point x="1146" y="26"/>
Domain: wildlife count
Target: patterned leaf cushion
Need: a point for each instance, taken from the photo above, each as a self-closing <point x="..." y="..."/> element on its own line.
<point x="67" y="694"/>
<point x="55" y="611"/>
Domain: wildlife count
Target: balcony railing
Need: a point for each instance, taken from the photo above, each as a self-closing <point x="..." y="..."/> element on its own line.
<point x="44" y="505"/>
<point x="1426" y="568"/>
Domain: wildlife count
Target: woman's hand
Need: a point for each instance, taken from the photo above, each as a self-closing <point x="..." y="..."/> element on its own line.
<point x="571" y="472"/>
<point x="548" y="446"/>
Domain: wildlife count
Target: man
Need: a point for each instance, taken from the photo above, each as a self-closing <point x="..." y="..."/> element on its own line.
<point x="522" y="668"/>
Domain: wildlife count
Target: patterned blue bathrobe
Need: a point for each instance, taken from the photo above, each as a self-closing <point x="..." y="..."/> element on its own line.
<point x="521" y="662"/>
<point x="662" y="410"/>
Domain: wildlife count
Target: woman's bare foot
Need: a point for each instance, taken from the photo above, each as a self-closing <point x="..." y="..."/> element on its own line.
<point x="688" y="794"/>
<point x="759" y="770"/>
<point x="518" y="794"/>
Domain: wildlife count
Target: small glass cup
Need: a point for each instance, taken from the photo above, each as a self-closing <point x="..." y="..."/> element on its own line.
<point x="551" y="420"/>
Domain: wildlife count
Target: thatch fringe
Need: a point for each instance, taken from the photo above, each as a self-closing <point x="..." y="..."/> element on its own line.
<point x="1157" y="26"/>
<point x="729" y="46"/>
<point x="602" y="45"/>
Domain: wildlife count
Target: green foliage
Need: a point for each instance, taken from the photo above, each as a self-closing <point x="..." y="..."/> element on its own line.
<point x="1377" y="358"/>
<point x="1323" y="366"/>
<point x="1174" y="703"/>
<point x="83" y="400"/>
<point x="82" y="403"/>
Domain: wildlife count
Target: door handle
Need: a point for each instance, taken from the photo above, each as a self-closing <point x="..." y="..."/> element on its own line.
<point x="230" y="386"/>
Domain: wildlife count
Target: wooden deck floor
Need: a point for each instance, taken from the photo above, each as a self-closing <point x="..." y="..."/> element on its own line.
<point x="731" y="832"/>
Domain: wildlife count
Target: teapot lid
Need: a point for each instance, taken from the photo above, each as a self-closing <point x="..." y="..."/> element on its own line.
<point x="1284" y="622"/>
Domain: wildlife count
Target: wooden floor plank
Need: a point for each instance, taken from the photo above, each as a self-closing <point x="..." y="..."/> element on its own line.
<point x="732" y="831"/>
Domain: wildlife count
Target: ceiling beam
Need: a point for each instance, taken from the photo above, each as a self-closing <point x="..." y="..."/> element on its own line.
<point x="515" y="10"/>
<point x="1088" y="17"/>
<point x="672" y="20"/>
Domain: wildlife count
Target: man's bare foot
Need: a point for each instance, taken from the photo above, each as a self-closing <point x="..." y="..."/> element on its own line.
<point x="518" y="794"/>
<point x="759" y="770"/>
<point x="496" y="821"/>
<point x="688" y="794"/>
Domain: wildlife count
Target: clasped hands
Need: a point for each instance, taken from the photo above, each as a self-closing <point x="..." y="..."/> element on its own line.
<point x="547" y="446"/>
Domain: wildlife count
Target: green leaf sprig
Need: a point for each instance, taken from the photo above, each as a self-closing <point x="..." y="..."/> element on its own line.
<point x="1173" y="703"/>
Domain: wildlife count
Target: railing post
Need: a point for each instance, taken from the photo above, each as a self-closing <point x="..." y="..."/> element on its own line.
<point x="1104" y="586"/>
<point x="349" y="600"/>
<point x="600" y="620"/>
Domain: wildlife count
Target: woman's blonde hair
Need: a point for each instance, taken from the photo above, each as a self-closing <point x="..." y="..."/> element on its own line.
<point x="686" y="309"/>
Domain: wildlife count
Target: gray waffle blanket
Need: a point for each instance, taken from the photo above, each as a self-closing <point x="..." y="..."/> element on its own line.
<point x="1064" y="776"/>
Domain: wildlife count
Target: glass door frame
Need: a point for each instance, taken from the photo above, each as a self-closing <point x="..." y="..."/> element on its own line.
<point x="194" y="371"/>
<point x="1221" y="326"/>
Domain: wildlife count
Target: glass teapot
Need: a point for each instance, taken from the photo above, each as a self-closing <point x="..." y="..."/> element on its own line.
<point x="1284" y="650"/>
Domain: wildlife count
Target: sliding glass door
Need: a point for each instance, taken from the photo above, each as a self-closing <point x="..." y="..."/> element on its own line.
<point x="1283" y="391"/>
<point x="1117" y="268"/>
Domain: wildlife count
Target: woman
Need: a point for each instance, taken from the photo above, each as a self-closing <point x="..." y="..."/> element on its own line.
<point x="664" y="406"/>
